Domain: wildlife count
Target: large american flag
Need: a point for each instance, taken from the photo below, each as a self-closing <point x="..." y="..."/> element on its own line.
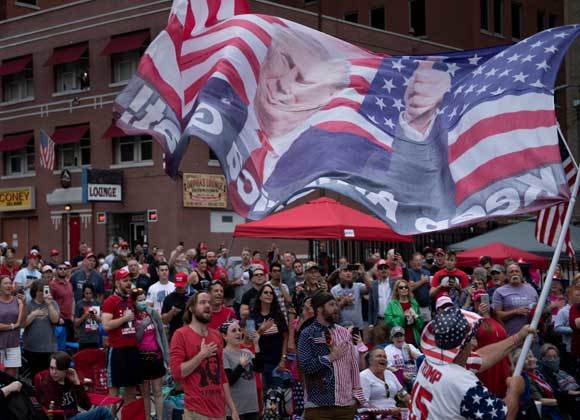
<point x="488" y="147"/>
<point x="46" y="151"/>
<point x="550" y="220"/>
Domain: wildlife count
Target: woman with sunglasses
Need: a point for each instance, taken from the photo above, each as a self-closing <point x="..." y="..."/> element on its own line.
<point x="273" y="331"/>
<point x="153" y="351"/>
<point x="403" y="311"/>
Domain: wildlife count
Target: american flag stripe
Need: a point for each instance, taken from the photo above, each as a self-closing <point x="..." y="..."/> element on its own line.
<point x="47" y="151"/>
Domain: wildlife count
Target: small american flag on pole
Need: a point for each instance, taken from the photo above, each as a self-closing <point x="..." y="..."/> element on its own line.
<point x="550" y="220"/>
<point x="46" y="151"/>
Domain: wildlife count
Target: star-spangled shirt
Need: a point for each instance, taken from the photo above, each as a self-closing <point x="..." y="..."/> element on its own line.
<point x="452" y="392"/>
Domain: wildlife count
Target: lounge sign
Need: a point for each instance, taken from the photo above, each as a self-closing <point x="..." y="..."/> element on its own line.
<point x="15" y="199"/>
<point x="102" y="185"/>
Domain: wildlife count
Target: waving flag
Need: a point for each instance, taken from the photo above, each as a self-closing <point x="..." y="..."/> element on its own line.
<point x="424" y="142"/>
<point x="46" y="151"/>
<point x="550" y="220"/>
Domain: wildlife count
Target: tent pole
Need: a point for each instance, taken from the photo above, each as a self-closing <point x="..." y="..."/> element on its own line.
<point x="549" y="276"/>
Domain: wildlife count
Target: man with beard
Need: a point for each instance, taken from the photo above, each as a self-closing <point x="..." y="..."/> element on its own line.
<point x="196" y="353"/>
<point x="217" y="272"/>
<point x="174" y="305"/>
<point x="219" y="312"/>
<point x="62" y="292"/>
<point x="118" y="318"/>
<point x="298" y="275"/>
<point x="329" y="362"/>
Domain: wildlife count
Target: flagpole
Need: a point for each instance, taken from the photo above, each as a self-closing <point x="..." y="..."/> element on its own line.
<point x="546" y="288"/>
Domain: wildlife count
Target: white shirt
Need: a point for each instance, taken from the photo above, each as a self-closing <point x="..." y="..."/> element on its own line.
<point x="375" y="390"/>
<point x="562" y="320"/>
<point x="384" y="295"/>
<point x="157" y="294"/>
<point x="451" y="392"/>
<point x="397" y="358"/>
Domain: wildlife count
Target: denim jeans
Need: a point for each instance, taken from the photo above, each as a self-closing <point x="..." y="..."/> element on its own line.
<point x="99" y="413"/>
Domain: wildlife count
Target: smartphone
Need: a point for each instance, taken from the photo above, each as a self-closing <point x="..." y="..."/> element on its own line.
<point x="355" y="331"/>
<point x="485" y="298"/>
<point x="250" y="325"/>
<point x="46" y="290"/>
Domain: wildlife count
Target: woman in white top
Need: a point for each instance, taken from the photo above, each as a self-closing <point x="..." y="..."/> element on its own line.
<point x="379" y="384"/>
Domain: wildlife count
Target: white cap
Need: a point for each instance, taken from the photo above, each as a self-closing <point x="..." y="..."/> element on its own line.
<point x="105" y="267"/>
<point x="3" y="245"/>
<point x="47" y="268"/>
<point x="442" y="301"/>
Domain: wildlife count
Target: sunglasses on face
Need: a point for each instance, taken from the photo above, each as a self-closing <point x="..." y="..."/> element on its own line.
<point x="403" y="287"/>
<point x="383" y="267"/>
<point x="61" y="268"/>
<point x="259" y="274"/>
<point x="267" y="293"/>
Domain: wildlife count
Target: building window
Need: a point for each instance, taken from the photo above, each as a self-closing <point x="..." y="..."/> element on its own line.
<point x="552" y="21"/>
<point x="541" y="19"/>
<point x="29" y="2"/>
<point x="224" y="221"/>
<point x="484" y="14"/>
<point x="133" y="149"/>
<point x="351" y="17"/>
<point x="72" y="76"/>
<point x="21" y="161"/>
<point x="74" y="155"/>
<point x="516" y="20"/>
<point x="18" y="86"/>
<point x="378" y="18"/>
<point x="125" y="65"/>
<point x="417" y="17"/>
<point x="498" y="16"/>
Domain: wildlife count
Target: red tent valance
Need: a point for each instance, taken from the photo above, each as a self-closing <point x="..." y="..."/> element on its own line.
<point x="71" y="134"/>
<point x="499" y="252"/>
<point x="67" y="54"/>
<point x="126" y="42"/>
<point x="15" y="142"/>
<point x="113" y="131"/>
<point x="322" y="218"/>
<point x="15" y="65"/>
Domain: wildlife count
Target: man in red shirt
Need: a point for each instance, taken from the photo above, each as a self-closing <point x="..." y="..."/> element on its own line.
<point x="217" y="272"/>
<point x="9" y="268"/>
<point x="448" y="281"/>
<point x="62" y="292"/>
<point x="219" y="312"/>
<point x="197" y="362"/>
<point x="118" y="320"/>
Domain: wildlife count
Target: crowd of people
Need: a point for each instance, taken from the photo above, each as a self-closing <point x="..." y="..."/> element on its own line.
<point x="275" y="337"/>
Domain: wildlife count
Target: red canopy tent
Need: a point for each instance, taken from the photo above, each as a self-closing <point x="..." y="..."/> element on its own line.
<point x="323" y="218"/>
<point x="499" y="252"/>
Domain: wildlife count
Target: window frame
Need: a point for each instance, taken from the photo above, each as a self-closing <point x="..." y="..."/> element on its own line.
<point x="351" y="13"/>
<point x="116" y="59"/>
<point x="541" y="14"/>
<point x="77" y="68"/>
<point x="84" y="145"/>
<point x="412" y="30"/>
<point x="517" y="5"/>
<point x="27" y="167"/>
<point x="484" y="26"/>
<point x="384" y="28"/>
<point x="500" y="17"/>
<point x="24" y="83"/>
<point x="137" y="142"/>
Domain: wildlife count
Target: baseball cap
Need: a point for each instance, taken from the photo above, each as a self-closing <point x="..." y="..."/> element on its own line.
<point x="91" y="255"/>
<point x="105" y="267"/>
<point x="497" y="269"/>
<point x="439" y="251"/>
<point x="428" y="250"/>
<point x="121" y="273"/>
<point x="382" y="262"/>
<point x="442" y="301"/>
<point x="53" y="252"/>
<point x="310" y="265"/>
<point x="3" y="245"/>
<point x="123" y="244"/>
<point x="34" y="254"/>
<point x="255" y="267"/>
<point x="397" y="330"/>
<point x="180" y="280"/>
<point x="47" y="268"/>
<point x="68" y="264"/>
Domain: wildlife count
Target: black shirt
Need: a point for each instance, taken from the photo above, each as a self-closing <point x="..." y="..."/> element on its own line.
<point x="178" y="300"/>
<point x="271" y="341"/>
<point x="143" y="282"/>
<point x="249" y="298"/>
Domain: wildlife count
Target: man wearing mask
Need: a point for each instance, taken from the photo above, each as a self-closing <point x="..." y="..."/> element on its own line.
<point x="512" y="302"/>
<point x="87" y="274"/>
<point x="139" y="280"/>
<point x="329" y="362"/>
<point x="429" y="259"/>
<point x="174" y="305"/>
<point x="420" y="284"/>
<point x="310" y="286"/>
<point x="118" y="318"/>
<point x="449" y="281"/>
<point x="62" y="292"/>
<point x="258" y="279"/>
<point x="217" y="272"/>
<point x="348" y="295"/>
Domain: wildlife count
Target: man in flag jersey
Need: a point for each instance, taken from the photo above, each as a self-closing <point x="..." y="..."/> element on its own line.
<point x="446" y="386"/>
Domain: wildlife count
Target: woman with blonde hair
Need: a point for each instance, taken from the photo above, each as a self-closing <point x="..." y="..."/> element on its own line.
<point x="403" y="311"/>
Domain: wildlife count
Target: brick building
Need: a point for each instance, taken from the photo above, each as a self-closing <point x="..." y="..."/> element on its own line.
<point x="63" y="62"/>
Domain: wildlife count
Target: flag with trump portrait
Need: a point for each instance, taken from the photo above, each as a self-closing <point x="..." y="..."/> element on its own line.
<point x="424" y="142"/>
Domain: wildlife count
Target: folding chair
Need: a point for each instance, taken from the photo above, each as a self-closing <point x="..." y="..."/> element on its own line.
<point x="135" y="410"/>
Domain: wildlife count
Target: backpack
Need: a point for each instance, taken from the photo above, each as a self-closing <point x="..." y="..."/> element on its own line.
<point x="278" y="399"/>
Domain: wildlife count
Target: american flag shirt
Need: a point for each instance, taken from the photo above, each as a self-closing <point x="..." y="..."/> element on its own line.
<point x="328" y="383"/>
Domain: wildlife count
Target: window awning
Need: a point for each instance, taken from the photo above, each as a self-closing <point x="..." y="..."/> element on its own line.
<point x="67" y="135"/>
<point x="15" y="141"/>
<point x="113" y="131"/>
<point x="15" y="65"/>
<point x="67" y="54"/>
<point x="126" y="42"/>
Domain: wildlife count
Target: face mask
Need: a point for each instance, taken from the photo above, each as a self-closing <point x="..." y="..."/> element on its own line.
<point x="429" y="260"/>
<point x="553" y="365"/>
<point x="141" y="306"/>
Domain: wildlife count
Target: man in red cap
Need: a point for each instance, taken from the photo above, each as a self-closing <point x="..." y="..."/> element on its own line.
<point x="174" y="303"/>
<point x="118" y="320"/>
<point x="28" y="274"/>
<point x="54" y="260"/>
<point x="87" y="274"/>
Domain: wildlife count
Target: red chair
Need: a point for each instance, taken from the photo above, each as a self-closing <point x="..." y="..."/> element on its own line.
<point x="91" y="365"/>
<point x="135" y="410"/>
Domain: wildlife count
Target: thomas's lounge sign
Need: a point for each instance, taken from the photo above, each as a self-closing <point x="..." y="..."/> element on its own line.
<point x="102" y="185"/>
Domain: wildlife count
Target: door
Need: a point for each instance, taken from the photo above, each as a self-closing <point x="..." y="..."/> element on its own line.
<point x="74" y="235"/>
<point x="138" y="234"/>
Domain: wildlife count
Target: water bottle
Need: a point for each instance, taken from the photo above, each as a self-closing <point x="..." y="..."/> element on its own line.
<point x="50" y="411"/>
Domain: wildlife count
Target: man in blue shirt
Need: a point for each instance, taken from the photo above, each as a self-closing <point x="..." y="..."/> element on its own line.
<point x="420" y="284"/>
